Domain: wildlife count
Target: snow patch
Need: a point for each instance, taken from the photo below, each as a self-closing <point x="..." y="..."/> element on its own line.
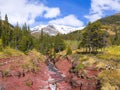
<point x="55" y="29"/>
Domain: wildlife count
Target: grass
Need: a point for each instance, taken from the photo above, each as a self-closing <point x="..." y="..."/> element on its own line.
<point x="33" y="54"/>
<point x="108" y="86"/>
<point x="32" y="60"/>
<point x="8" y="52"/>
<point x="29" y="64"/>
<point x="113" y="50"/>
<point x="110" y="79"/>
<point x="87" y="59"/>
<point x="101" y="65"/>
<point x="111" y="53"/>
<point x="72" y="43"/>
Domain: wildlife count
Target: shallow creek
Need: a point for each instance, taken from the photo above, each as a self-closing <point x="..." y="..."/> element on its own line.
<point x="55" y="76"/>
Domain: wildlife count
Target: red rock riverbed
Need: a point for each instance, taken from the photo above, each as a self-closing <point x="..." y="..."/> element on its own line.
<point x="47" y="78"/>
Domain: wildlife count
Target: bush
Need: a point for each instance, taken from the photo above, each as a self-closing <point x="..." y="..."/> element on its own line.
<point x="5" y="73"/>
<point x="69" y="51"/>
<point x="80" y="66"/>
<point x="28" y="83"/>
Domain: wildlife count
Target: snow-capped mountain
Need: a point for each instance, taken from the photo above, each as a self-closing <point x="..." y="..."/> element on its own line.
<point x="55" y="29"/>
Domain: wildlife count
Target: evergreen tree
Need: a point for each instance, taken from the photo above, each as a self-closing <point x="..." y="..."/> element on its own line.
<point x="116" y="37"/>
<point x="6" y="18"/>
<point x="21" y="39"/>
<point x="23" y="44"/>
<point x="5" y="32"/>
<point x="1" y="46"/>
<point x="93" y="37"/>
<point x="0" y="25"/>
<point x="44" y="43"/>
<point x="26" y="42"/>
<point x="59" y="44"/>
<point x="16" y="37"/>
<point x="25" y="30"/>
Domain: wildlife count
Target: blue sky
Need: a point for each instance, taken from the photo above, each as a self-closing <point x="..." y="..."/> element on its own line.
<point x="75" y="13"/>
<point x="67" y="7"/>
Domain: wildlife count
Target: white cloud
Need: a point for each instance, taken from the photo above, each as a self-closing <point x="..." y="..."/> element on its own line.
<point x="69" y="20"/>
<point x="98" y="7"/>
<point x="23" y="11"/>
<point x="52" y="12"/>
<point x="93" y="17"/>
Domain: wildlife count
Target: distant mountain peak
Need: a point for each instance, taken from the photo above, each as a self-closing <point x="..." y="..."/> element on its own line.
<point x="53" y="29"/>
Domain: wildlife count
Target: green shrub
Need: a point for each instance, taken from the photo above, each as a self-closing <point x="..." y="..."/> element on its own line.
<point x="69" y="51"/>
<point x="5" y="73"/>
<point x="80" y="66"/>
<point x="28" y="83"/>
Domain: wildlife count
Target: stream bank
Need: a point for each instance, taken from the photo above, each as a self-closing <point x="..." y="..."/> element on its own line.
<point x="62" y="73"/>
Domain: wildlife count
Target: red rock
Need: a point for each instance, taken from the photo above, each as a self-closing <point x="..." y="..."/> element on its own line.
<point x="64" y="66"/>
<point x="64" y="86"/>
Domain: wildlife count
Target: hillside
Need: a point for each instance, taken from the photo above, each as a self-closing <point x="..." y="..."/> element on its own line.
<point x="111" y="20"/>
<point x="11" y="26"/>
<point x="109" y="24"/>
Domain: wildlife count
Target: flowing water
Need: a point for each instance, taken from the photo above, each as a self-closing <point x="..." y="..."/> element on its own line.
<point x="58" y="76"/>
<point x="57" y="73"/>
